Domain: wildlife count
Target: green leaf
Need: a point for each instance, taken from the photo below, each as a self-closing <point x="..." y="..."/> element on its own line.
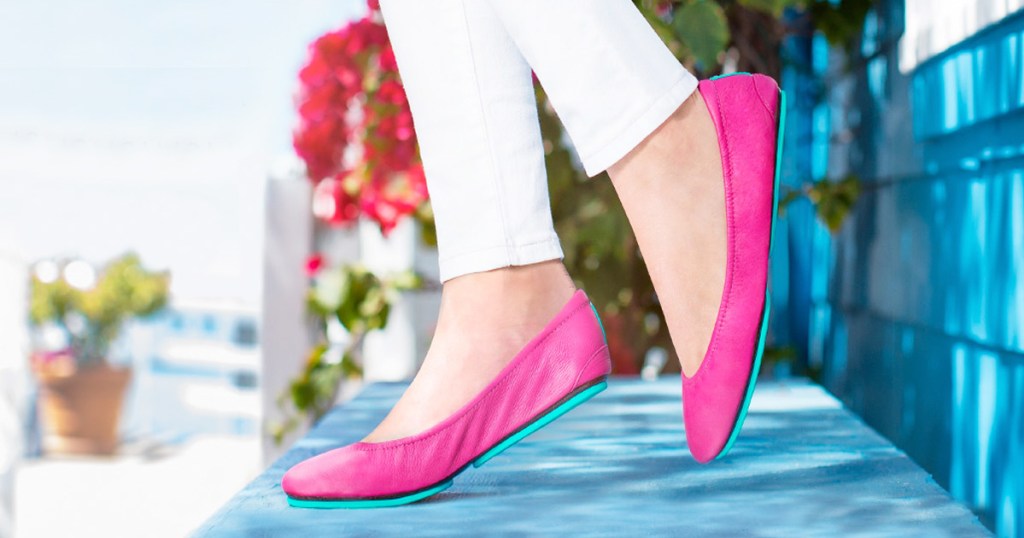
<point x="405" y="280"/>
<point x="840" y="22"/>
<point x="349" y="367"/>
<point x="302" y="394"/>
<point x="834" y="200"/>
<point x="702" y="27"/>
<point x="330" y="288"/>
<point x="773" y="354"/>
<point x="788" y="198"/>
<point x="425" y="215"/>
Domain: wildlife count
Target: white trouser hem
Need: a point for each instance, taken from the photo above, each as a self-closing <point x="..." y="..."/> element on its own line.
<point x="598" y="161"/>
<point x="500" y="256"/>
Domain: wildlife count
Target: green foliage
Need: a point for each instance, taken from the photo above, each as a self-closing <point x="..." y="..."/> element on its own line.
<point x="777" y="355"/>
<point x="93" y="318"/>
<point x="428" y="231"/>
<point x="840" y="22"/>
<point x="360" y="301"/>
<point x="699" y="31"/>
<point x="833" y="200"/>
<point x="702" y="27"/>
<point x="356" y="297"/>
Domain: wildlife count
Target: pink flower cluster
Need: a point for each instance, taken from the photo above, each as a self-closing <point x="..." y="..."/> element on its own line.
<point x="355" y="132"/>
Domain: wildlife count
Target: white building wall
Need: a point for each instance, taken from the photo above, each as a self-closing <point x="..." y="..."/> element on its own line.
<point x="285" y="337"/>
<point x="394" y="353"/>
<point x="13" y="376"/>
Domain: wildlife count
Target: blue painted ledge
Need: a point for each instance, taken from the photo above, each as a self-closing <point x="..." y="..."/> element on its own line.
<point x="617" y="466"/>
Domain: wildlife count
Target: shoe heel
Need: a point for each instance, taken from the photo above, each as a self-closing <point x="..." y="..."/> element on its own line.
<point x="543" y="420"/>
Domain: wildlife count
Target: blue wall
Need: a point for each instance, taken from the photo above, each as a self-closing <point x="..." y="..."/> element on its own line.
<point x="917" y="305"/>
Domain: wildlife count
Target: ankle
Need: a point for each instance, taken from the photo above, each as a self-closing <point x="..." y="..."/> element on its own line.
<point x="510" y="286"/>
<point x="521" y="296"/>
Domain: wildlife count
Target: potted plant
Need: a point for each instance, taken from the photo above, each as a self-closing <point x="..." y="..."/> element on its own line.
<point x="81" y="391"/>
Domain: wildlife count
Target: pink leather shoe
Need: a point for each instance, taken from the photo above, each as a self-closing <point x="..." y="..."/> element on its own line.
<point x="563" y="366"/>
<point x="749" y="115"/>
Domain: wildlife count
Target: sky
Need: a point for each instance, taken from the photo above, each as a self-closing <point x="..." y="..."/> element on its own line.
<point x="151" y="126"/>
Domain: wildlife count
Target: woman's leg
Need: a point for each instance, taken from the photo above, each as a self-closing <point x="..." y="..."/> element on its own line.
<point x="466" y="67"/>
<point x="608" y="75"/>
<point x="696" y="178"/>
<point x="630" y="108"/>
<point x="471" y="94"/>
<point x="681" y="230"/>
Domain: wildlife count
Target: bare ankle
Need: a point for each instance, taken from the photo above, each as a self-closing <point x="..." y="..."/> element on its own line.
<point x="522" y="297"/>
<point x="538" y="279"/>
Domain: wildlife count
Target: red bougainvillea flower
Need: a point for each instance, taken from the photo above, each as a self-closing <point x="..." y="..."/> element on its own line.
<point x="313" y="264"/>
<point x="386" y="61"/>
<point x="387" y="198"/>
<point x="355" y="130"/>
<point x="333" y="204"/>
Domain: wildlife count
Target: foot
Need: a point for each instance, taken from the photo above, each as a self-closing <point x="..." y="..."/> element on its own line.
<point x="564" y="364"/>
<point x="485" y="320"/>
<point x="672" y="190"/>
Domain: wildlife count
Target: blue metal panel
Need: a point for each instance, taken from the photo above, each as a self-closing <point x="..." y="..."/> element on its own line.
<point x="942" y="251"/>
<point x="791" y="265"/>
<point x="956" y="408"/>
<point x="976" y="81"/>
<point x="921" y="327"/>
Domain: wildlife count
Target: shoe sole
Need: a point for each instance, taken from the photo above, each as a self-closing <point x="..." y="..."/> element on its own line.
<point x="763" y="331"/>
<point x="570" y="401"/>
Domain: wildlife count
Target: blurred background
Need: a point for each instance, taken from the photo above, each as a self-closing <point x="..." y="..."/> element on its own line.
<point x="214" y="226"/>
<point x="152" y="129"/>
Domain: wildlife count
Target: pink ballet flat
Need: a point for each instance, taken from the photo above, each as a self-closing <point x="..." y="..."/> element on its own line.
<point x="749" y="115"/>
<point x="563" y="366"/>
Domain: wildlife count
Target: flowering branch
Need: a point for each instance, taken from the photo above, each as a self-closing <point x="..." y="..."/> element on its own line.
<point x="355" y="132"/>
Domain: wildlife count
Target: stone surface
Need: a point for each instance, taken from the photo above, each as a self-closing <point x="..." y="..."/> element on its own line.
<point x="618" y="466"/>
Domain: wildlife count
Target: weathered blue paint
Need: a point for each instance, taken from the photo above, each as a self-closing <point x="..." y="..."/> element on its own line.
<point x="921" y="328"/>
<point x="618" y="466"/>
<point x="791" y="262"/>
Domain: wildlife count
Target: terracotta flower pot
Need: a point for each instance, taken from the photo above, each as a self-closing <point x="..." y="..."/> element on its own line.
<point x="625" y="359"/>
<point x="81" y="409"/>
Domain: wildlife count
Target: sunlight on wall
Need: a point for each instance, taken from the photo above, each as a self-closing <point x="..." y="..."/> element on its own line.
<point x="921" y="328"/>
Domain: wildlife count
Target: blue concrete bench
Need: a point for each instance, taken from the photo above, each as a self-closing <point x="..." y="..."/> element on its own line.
<point x="617" y="466"/>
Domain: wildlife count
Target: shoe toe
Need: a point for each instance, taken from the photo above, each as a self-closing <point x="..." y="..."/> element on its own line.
<point x="706" y="436"/>
<point x="301" y="480"/>
<point x="323" y="476"/>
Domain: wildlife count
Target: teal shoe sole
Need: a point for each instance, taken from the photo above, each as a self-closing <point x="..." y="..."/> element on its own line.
<point x="763" y="332"/>
<point x="574" y="399"/>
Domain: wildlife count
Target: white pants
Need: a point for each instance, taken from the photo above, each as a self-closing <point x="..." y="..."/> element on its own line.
<point x="466" y="66"/>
